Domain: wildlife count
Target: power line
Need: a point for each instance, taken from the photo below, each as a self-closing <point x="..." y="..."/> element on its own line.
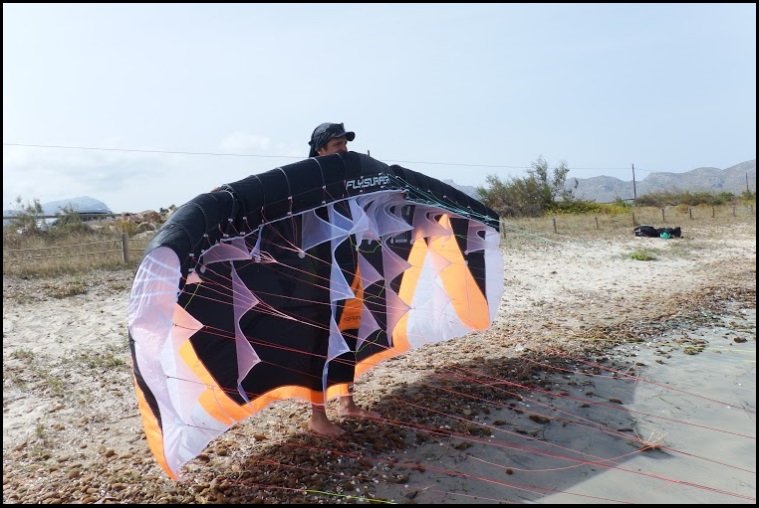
<point x="228" y="154"/>
<point x="175" y="152"/>
<point x="460" y="164"/>
<point x="483" y="165"/>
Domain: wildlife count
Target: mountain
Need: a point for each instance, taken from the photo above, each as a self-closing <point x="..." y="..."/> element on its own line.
<point x="82" y="204"/>
<point x="607" y="188"/>
<point x="466" y="189"/>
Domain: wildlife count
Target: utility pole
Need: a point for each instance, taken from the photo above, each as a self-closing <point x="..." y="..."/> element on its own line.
<point x="635" y="189"/>
<point x="748" y="191"/>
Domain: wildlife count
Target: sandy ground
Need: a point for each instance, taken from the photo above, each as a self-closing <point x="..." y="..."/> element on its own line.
<point x="557" y="402"/>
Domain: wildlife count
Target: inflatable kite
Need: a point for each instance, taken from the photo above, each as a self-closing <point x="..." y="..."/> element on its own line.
<point x="292" y="282"/>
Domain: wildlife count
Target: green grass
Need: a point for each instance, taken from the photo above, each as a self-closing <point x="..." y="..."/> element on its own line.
<point x="642" y="255"/>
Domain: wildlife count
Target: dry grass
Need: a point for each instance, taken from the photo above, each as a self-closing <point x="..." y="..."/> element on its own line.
<point x="654" y="441"/>
<point x="529" y="231"/>
<point x="40" y="255"/>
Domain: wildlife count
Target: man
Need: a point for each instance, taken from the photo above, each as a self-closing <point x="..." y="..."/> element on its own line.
<point x="326" y="139"/>
<point x="330" y="138"/>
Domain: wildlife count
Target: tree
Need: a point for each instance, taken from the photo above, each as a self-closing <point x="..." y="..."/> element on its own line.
<point x="552" y="188"/>
<point x="532" y="195"/>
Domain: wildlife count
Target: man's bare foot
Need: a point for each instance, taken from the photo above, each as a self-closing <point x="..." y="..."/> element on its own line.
<point x="320" y="424"/>
<point x="325" y="428"/>
<point x="360" y="413"/>
<point x="348" y="408"/>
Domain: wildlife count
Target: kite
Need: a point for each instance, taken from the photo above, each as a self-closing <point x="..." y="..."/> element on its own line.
<point x="292" y="282"/>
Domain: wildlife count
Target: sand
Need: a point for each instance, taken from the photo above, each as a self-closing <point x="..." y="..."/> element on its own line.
<point x="483" y="418"/>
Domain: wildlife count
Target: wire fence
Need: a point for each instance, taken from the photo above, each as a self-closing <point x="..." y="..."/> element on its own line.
<point x="121" y="248"/>
<point x="80" y="253"/>
<point x="589" y="224"/>
<point x="69" y="255"/>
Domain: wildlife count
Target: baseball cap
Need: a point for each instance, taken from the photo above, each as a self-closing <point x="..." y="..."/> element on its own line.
<point x="326" y="131"/>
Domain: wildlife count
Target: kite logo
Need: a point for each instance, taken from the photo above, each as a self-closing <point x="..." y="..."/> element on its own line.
<point x="369" y="181"/>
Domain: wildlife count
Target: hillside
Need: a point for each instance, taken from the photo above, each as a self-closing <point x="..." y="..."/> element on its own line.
<point x="705" y="179"/>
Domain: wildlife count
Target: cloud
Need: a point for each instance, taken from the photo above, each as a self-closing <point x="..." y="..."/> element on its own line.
<point x="128" y="181"/>
<point x="53" y="174"/>
<point x="244" y="143"/>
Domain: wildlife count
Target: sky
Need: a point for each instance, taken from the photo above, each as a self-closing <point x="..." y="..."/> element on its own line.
<point x="145" y="106"/>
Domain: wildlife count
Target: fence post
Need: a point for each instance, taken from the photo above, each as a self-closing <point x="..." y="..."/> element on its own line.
<point x="733" y="210"/>
<point x="596" y="217"/>
<point x="663" y="219"/>
<point x="712" y="212"/>
<point x="554" y="225"/>
<point x="690" y="212"/>
<point x="633" y="215"/>
<point x="125" y="248"/>
<point x="751" y="209"/>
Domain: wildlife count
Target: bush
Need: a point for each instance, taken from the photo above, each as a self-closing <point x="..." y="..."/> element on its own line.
<point x="576" y="206"/>
<point x="662" y="199"/>
<point x="68" y="222"/>
<point x="27" y="219"/>
<point x="529" y="196"/>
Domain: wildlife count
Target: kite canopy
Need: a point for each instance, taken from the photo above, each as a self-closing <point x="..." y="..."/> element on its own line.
<point x="291" y="282"/>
